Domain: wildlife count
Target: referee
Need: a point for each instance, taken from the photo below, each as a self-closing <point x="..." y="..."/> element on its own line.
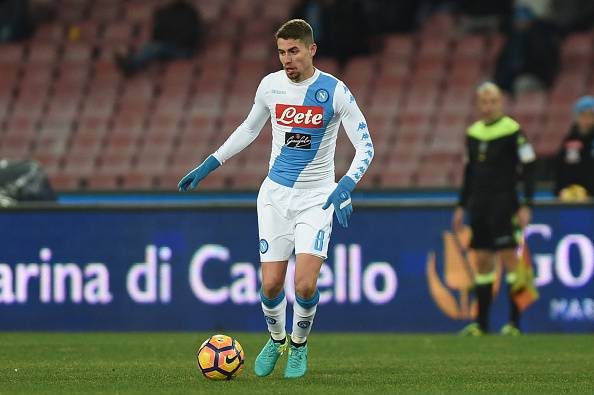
<point x="497" y="156"/>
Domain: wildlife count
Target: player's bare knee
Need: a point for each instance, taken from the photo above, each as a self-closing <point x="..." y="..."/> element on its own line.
<point x="272" y="288"/>
<point x="305" y="289"/>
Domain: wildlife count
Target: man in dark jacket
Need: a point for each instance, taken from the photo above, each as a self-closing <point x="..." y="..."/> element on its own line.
<point x="575" y="159"/>
<point x="532" y="48"/>
<point x="177" y="29"/>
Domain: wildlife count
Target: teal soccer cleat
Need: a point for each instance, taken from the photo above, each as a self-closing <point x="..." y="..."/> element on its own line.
<point x="297" y="364"/>
<point x="266" y="360"/>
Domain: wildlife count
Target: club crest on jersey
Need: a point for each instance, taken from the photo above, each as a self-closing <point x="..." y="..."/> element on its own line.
<point x="310" y="117"/>
<point x="263" y="246"/>
<point x="322" y="95"/>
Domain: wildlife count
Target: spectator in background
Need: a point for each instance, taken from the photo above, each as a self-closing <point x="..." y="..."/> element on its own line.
<point x="572" y="15"/>
<point x="341" y="27"/>
<point x="483" y="16"/>
<point x="531" y="52"/>
<point x="177" y="32"/>
<point x="574" y="176"/>
<point x="15" y="23"/>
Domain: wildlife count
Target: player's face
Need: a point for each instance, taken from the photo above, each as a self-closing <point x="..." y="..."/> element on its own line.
<point x="296" y="58"/>
<point x="490" y="105"/>
<point x="585" y="121"/>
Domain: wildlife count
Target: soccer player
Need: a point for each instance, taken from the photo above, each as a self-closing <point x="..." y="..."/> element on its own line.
<point x="496" y="147"/>
<point x="297" y="199"/>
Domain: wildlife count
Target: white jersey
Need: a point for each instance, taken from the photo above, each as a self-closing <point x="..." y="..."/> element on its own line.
<point x="305" y="119"/>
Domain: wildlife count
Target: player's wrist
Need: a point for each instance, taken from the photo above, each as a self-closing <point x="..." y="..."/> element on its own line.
<point x="347" y="183"/>
<point x="211" y="163"/>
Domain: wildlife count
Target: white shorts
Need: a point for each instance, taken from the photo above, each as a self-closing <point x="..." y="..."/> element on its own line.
<point x="292" y="219"/>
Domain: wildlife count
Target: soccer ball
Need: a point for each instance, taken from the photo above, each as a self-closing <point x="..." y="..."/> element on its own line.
<point x="220" y="357"/>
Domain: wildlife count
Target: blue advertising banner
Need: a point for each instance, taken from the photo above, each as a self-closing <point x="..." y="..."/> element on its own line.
<point x="393" y="269"/>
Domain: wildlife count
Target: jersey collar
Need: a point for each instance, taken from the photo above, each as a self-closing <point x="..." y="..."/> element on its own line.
<point x="308" y="81"/>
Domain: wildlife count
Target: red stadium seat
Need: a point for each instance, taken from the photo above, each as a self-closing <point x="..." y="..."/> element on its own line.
<point x="361" y="68"/>
<point x="105" y="182"/>
<point x="24" y="125"/>
<point x="49" y="33"/>
<point x="178" y="72"/>
<point x="218" y="51"/>
<point x="151" y="163"/>
<point x="11" y="53"/>
<point x="139" y="180"/>
<point x="96" y="106"/>
<point x="79" y="164"/>
<point x="438" y="24"/>
<point x="107" y="11"/>
<point x="51" y="144"/>
<point x="88" y="31"/>
<point x="466" y="73"/>
<point x="64" y="182"/>
<point x="77" y="53"/>
<point x="577" y="45"/>
<point x="86" y="143"/>
<point x="114" y="163"/>
<point x="254" y="49"/>
<point x="398" y="47"/>
<point x="139" y="11"/>
<point x="327" y="65"/>
<point x="429" y="71"/>
<point x="43" y="53"/>
<point x="72" y="73"/>
<point x="433" y="177"/>
<point x="470" y="47"/>
<point x="51" y="163"/>
<point x="36" y="76"/>
<point x="433" y="48"/>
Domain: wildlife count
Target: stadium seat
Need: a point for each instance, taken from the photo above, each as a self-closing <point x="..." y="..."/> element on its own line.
<point x="469" y="48"/>
<point x="79" y="165"/>
<point x="61" y="94"/>
<point x="398" y="47"/>
<point x="77" y="53"/>
<point x="11" y="53"/>
<point x="105" y="182"/>
<point x="20" y="125"/>
<point x="139" y="180"/>
<point x="63" y="181"/>
<point x="432" y="176"/>
<point x="43" y="53"/>
<point x="138" y="11"/>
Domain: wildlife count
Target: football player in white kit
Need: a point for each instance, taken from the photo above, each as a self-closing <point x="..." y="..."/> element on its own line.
<point x="297" y="199"/>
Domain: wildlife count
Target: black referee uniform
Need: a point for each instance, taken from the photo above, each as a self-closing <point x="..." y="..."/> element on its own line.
<point x="498" y="157"/>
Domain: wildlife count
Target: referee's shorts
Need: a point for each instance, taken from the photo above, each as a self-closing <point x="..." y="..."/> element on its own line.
<point x="493" y="221"/>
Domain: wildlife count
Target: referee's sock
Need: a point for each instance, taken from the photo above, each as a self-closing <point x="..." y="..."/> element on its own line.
<point x="484" y="294"/>
<point x="514" y="311"/>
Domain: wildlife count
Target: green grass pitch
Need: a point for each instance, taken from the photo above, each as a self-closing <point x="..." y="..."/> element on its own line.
<point x="164" y="363"/>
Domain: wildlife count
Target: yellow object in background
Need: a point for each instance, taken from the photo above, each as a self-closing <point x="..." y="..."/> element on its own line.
<point x="573" y="193"/>
<point x="74" y="33"/>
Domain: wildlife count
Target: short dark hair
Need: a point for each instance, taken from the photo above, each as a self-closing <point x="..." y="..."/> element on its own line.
<point x="296" y="29"/>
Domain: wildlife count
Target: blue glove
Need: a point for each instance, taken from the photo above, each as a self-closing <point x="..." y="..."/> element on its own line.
<point x="195" y="176"/>
<point x="340" y="198"/>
